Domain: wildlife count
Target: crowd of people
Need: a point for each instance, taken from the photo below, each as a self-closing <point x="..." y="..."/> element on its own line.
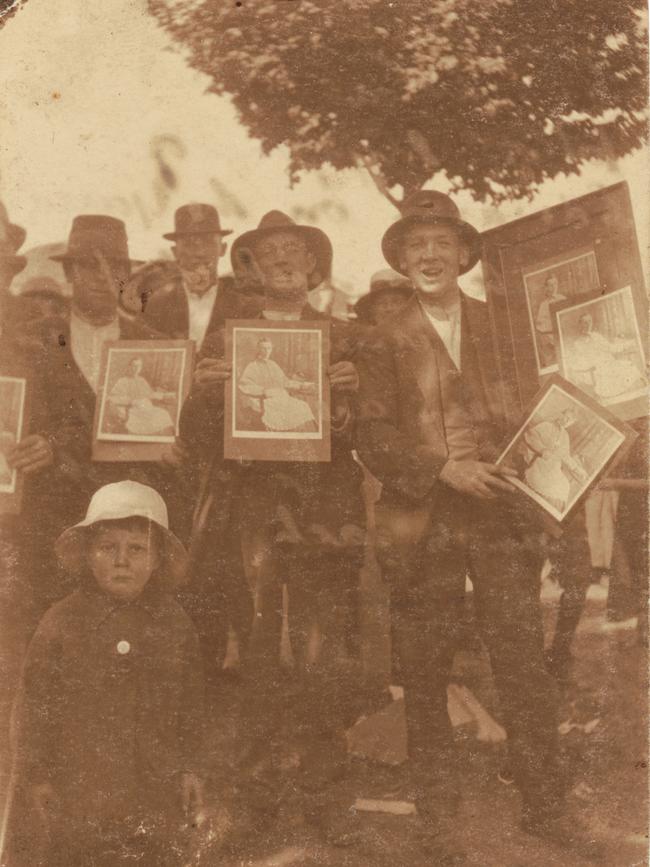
<point x="136" y="591"/>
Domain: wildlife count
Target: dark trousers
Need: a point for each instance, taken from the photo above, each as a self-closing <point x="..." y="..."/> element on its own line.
<point x="428" y="582"/>
<point x="570" y="557"/>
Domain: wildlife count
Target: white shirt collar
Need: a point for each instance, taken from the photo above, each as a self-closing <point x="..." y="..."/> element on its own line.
<point x="86" y="343"/>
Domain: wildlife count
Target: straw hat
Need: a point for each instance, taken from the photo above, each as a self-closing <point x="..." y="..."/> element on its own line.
<point x="116" y="502"/>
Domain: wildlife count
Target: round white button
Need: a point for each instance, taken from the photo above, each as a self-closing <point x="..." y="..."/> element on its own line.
<point x="123" y="647"/>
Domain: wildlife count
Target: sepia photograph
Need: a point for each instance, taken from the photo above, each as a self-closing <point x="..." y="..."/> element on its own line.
<point x="12" y="415"/>
<point x="278" y="389"/>
<point x="281" y="280"/>
<point x="560" y="450"/>
<point x="601" y="350"/>
<point x="551" y="285"/>
<point x="142" y="394"/>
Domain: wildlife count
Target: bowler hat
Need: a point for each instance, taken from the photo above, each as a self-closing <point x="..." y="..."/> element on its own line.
<point x="117" y="502"/>
<point x="382" y="281"/>
<point x="196" y="219"/>
<point x="12" y="238"/>
<point x="319" y="244"/>
<point x="95" y="233"/>
<point x="429" y="206"/>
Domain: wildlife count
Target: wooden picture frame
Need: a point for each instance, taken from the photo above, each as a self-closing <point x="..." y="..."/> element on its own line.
<point x="587" y="245"/>
<point x="142" y="386"/>
<point x="14" y="425"/>
<point x="562" y="446"/>
<point x="278" y="399"/>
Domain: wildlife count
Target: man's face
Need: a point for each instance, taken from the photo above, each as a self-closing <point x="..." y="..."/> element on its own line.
<point x="286" y="263"/>
<point x="95" y="285"/>
<point x="386" y="306"/>
<point x="122" y="560"/>
<point x="136" y="366"/>
<point x="432" y="256"/>
<point x="585" y="324"/>
<point x="192" y="251"/>
<point x="551" y="286"/>
<point x="264" y="350"/>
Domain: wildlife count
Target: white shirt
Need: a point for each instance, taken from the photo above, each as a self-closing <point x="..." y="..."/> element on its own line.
<point x="200" y="310"/>
<point x="87" y="341"/>
<point x="447" y="324"/>
<point x="280" y="316"/>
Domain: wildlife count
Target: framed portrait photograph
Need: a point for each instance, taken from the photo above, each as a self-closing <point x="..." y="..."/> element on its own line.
<point x="563" y="446"/>
<point x="277" y="401"/>
<point x="13" y="426"/>
<point x="143" y="384"/>
<point x="602" y="352"/>
<point x="555" y="257"/>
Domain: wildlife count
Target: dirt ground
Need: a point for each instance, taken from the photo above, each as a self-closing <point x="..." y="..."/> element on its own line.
<point x="605" y="743"/>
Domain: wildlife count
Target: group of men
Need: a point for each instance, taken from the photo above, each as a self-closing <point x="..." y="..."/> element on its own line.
<point x="416" y="400"/>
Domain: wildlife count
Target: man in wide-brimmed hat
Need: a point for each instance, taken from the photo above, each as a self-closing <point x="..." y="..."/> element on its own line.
<point x="65" y="372"/>
<point x="193" y="300"/>
<point x="289" y="522"/>
<point x="388" y="294"/>
<point x="431" y="423"/>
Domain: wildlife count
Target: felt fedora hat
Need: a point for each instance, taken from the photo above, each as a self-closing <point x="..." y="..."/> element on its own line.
<point x="429" y="206"/>
<point x="12" y="238"/>
<point x="96" y="233"/>
<point x="381" y="282"/>
<point x="117" y="502"/>
<point x="241" y="253"/>
<point x="196" y="219"/>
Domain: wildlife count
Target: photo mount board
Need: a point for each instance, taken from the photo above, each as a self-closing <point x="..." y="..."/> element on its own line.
<point x="238" y="446"/>
<point x="114" y="451"/>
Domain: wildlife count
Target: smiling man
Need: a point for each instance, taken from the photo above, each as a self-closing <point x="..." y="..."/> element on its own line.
<point x="430" y="426"/>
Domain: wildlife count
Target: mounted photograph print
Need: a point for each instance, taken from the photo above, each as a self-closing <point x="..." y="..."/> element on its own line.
<point x="549" y="285"/>
<point x="563" y="446"/>
<point x="142" y="388"/>
<point x="601" y="351"/>
<point x="277" y="401"/>
<point x="13" y="393"/>
<point x="554" y="258"/>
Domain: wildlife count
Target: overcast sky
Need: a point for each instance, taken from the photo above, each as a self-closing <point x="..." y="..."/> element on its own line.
<point x="92" y="101"/>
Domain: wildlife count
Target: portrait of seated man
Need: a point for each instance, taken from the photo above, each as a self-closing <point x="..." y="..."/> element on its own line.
<point x="604" y="367"/>
<point x="267" y="398"/>
<point x="136" y="408"/>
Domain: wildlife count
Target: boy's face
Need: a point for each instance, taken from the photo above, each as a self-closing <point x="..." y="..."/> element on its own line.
<point x="123" y="560"/>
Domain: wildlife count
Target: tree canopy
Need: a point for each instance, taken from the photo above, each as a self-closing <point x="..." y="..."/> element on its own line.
<point x="500" y="94"/>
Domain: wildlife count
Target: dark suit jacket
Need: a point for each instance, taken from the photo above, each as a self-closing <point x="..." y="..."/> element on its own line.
<point x="328" y="494"/>
<point x="400" y="430"/>
<point x="167" y="311"/>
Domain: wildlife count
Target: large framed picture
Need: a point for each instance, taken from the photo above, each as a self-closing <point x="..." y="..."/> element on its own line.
<point x="13" y="427"/>
<point x="143" y="384"/>
<point x="278" y="400"/>
<point x="531" y="266"/>
<point x="563" y="446"/>
<point x="602" y="352"/>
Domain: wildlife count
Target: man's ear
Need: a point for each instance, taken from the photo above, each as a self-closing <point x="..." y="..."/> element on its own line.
<point x="223" y="246"/>
<point x="174" y="250"/>
<point x="311" y="258"/>
<point x="463" y="257"/>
